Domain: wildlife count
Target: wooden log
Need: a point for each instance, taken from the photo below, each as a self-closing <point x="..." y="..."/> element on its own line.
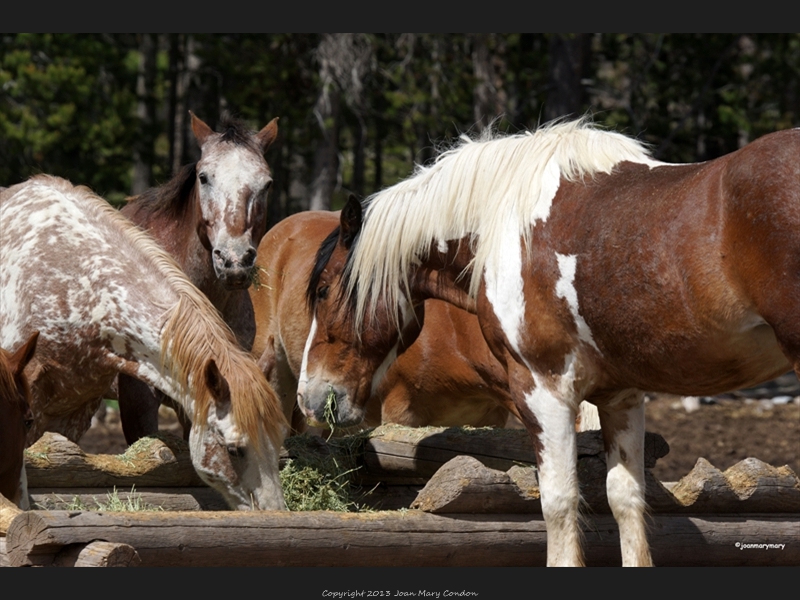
<point x="158" y="461"/>
<point x="412" y="455"/>
<point x="8" y="511"/>
<point x="172" y="498"/>
<point x="750" y="486"/>
<point x="409" y="538"/>
<point x="465" y="485"/>
<point x="98" y="554"/>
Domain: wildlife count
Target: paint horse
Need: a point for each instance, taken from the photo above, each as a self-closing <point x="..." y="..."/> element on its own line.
<point x="447" y="377"/>
<point x="106" y="299"/>
<point x="596" y="273"/>
<point x="16" y="419"/>
<point x="210" y="217"/>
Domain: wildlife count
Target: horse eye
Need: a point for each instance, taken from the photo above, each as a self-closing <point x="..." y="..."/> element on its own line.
<point x="203" y="178"/>
<point x="28" y="423"/>
<point x="322" y="293"/>
<point x="235" y="451"/>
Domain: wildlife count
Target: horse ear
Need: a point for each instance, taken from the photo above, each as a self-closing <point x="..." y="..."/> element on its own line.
<point x="200" y="129"/>
<point x="350" y="221"/>
<point x="24" y="354"/>
<point x="217" y="384"/>
<point x="267" y="135"/>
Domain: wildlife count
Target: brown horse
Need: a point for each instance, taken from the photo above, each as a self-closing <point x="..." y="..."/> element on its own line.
<point x="210" y="217"/>
<point x="106" y="299"/>
<point x="16" y="419"/>
<point x="596" y="273"/>
<point x="447" y="377"/>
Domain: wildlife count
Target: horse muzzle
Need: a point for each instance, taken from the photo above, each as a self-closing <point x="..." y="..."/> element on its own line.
<point x="324" y="405"/>
<point x="234" y="270"/>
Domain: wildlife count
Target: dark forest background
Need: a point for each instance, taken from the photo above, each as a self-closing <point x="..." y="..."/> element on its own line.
<point x="358" y="110"/>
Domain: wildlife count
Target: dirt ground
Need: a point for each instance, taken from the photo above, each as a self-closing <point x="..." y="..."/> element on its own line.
<point x="723" y="431"/>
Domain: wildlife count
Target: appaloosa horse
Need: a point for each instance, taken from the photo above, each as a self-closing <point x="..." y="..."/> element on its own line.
<point x="106" y="299"/>
<point x="447" y="377"/>
<point x="210" y="217"/>
<point x="16" y="419"/>
<point x="596" y="273"/>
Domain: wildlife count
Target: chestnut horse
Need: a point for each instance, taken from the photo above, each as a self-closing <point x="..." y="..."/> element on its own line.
<point x="106" y="299"/>
<point x="596" y="273"/>
<point x="210" y="217"/>
<point x="447" y="377"/>
<point x="16" y="419"/>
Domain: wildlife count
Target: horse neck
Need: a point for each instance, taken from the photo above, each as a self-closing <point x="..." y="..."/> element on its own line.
<point x="445" y="275"/>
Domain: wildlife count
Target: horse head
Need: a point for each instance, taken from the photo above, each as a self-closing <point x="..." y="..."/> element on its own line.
<point x="234" y="450"/>
<point x="343" y="361"/>
<point x="233" y="180"/>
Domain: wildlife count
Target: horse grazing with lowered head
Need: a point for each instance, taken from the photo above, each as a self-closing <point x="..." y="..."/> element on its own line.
<point x="447" y="377"/>
<point x="106" y="299"/>
<point x="210" y="217"/>
<point x="16" y="419"/>
<point x="595" y="271"/>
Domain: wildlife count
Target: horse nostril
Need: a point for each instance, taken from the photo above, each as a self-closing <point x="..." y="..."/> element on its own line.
<point x="249" y="258"/>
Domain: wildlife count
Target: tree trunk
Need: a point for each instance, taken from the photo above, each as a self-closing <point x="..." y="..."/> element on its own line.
<point x="143" y="154"/>
<point x="569" y="60"/>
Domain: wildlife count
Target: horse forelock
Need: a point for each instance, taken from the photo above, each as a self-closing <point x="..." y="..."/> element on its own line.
<point x="474" y="190"/>
<point x="236" y="132"/>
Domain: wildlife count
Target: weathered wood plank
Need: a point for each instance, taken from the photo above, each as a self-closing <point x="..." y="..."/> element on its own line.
<point x="8" y="512"/>
<point x="167" y="498"/>
<point x="160" y="461"/>
<point x="98" y="554"/>
<point x="748" y="486"/>
<point x="410" y="538"/>
<point x="412" y="455"/>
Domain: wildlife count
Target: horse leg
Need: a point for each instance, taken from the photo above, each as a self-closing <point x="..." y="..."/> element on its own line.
<point x="623" y="434"/>
<point x="550" y="419"/>
<point x="138" y="408"/>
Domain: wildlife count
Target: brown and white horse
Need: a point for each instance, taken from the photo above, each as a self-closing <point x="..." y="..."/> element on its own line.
<point x="16" y="419"/>
<point x="106" y="299"/>
<point x="210" y="217"/>
<point x="596" y="273"/>
<point x="447" y="377"/>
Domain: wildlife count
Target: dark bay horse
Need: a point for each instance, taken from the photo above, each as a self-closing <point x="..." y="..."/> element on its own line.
<point x="596" y="273"/>
<point x="106" y="299"/>
<point x="210" y="217"/>
<point x="447" y="377"/>
<point x="16" y="419"/>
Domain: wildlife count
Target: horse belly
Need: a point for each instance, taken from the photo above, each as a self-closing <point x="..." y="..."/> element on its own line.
<point x="703" y="365"/>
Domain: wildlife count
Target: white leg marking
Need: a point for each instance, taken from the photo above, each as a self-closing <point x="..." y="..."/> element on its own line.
<point x="625" y="487"/>
<point x="558" y="476"/>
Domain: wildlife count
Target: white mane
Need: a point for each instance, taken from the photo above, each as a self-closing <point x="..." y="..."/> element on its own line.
<point x="474" y="190"/>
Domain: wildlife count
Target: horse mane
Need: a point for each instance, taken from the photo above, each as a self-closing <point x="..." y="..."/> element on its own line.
<point x="478" y="189"/>
<point x="172" y="198"/>
<point x="193" y="331"/>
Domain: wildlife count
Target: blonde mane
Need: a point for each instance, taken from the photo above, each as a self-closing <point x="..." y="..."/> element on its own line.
<point x="474" y="190"/>
<point x="193" y="332"/>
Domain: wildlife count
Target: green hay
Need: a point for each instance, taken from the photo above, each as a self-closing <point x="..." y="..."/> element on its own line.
<point x="318" y="474"/>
